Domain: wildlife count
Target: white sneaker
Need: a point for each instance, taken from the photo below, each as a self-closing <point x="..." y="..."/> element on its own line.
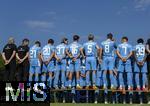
<point x="73" y="101"/>
<point x="63" y="87"/>
<point x="106" y="102"/>
<point x="95" y="102"/>
<point x="64" y="101"/>
<point x="148" y="102"/>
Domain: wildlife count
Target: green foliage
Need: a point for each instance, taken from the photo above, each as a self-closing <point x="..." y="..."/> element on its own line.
<point x="2" y="67"/>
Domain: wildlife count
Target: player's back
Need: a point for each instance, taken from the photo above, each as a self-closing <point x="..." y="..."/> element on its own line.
<point x="140" y="51"/>
<point x="108" y="47"/>
<point x="47" y="50"/>
<point x="74" y="48"/>
<point x="124" y="49"/>
<point x="34" y="55"/>
<point x="60" y="50"/>
<point x="90" y="48"/>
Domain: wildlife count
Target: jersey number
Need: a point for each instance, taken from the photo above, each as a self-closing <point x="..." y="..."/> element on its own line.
<point x="32" y="53"/>
<point x="60" y="50"/>
<point x="125" y="49"/>
<point x="89" y="48"/>
<point x="74" y="50"/>
<point x="140" y="51"/>
<point x="46" y="51"/>
<point x="106" y="48"/>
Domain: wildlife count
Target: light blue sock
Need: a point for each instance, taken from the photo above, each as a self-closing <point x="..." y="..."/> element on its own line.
<point x="30" y="77"/>
<point x="36" y="77"/>
<point x="87" y="79"/>
<point x="94" y="77"/>
<point x="104" y="78"/>
<point x="144" y="79"/>
<point x="43" y="78"/>
<point x="137" y="79"/>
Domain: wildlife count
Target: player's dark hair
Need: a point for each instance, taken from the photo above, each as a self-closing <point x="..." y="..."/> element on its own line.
<point x="51" y="41"/>
<point x="76" y="38"/>
<point x="109" y="36"/>
<point x="38" y="42"/>
<point x="148" y="42"/>
<point x="25" y="40"/>
<point x="126" y="38"/>
<point x="140" y="40"/>
<point x="63" y="40"/>
<point x="91" y="37"/>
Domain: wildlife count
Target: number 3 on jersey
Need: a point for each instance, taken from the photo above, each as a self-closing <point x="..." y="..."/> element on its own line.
<point x="140" y="51"/>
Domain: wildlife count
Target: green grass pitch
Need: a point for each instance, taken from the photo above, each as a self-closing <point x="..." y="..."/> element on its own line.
<point x="92" y="104"/>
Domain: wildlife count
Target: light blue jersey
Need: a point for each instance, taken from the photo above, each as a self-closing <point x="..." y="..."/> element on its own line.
<point x="90" y="49"/>
<point x="140" y="52"/>
<point x="74" y="48"/>
<point x="34" y="55"/>
<point x="47" y="51"/>
<point x="108" y="51"/>
<point x="125" y="49"/>
<point x="108" y="47"/>
<point x="60" y="50"/>
<point x="60" y="65"/>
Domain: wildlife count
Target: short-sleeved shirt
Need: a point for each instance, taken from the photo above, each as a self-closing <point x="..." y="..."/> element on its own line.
<point x="125" y="49"/>
<point x="74" y="48"/>
<point x="34" y="55"/>
<point x="60" y="50"/>
<point x="22" y="51"/>
<point x="90" y="48"/>
<point x="47" y="51"/>
<point x="8" y="50"/>
<point x="108" y="48"/>
<point x="140" y="52"/>
<point x="148" y="56"/>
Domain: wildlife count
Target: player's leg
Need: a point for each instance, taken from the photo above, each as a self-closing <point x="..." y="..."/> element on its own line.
<point x="87" y="68"/>
<point x="44" y="72"/>
<point x="57" y="73"/>
<point x="137" y="76"/>
<point x="70" y="74"/>
<point x="63" y="73"/>
<point x="50" y="69"/>
<point x="144" y="77"/>
<point x="31" y="72"/>
<point x="37" y="73"/>
<point x="128" y="69"/>
<point x="77" y="70"/>
<point x="105" y="83"/>
<point x="111" y="74"/>
<point x="94" y="70"/>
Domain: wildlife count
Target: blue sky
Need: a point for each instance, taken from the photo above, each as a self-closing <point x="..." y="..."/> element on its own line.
<point x="44" y="19"/>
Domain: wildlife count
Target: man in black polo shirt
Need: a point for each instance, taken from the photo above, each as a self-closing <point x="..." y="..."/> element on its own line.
<point x="148" y="64"/>
<point x="23" y="61"/>
<point x="8" y="55"/>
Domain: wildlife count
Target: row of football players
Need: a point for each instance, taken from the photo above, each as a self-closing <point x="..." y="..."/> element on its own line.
<point x="92" y="54"/>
